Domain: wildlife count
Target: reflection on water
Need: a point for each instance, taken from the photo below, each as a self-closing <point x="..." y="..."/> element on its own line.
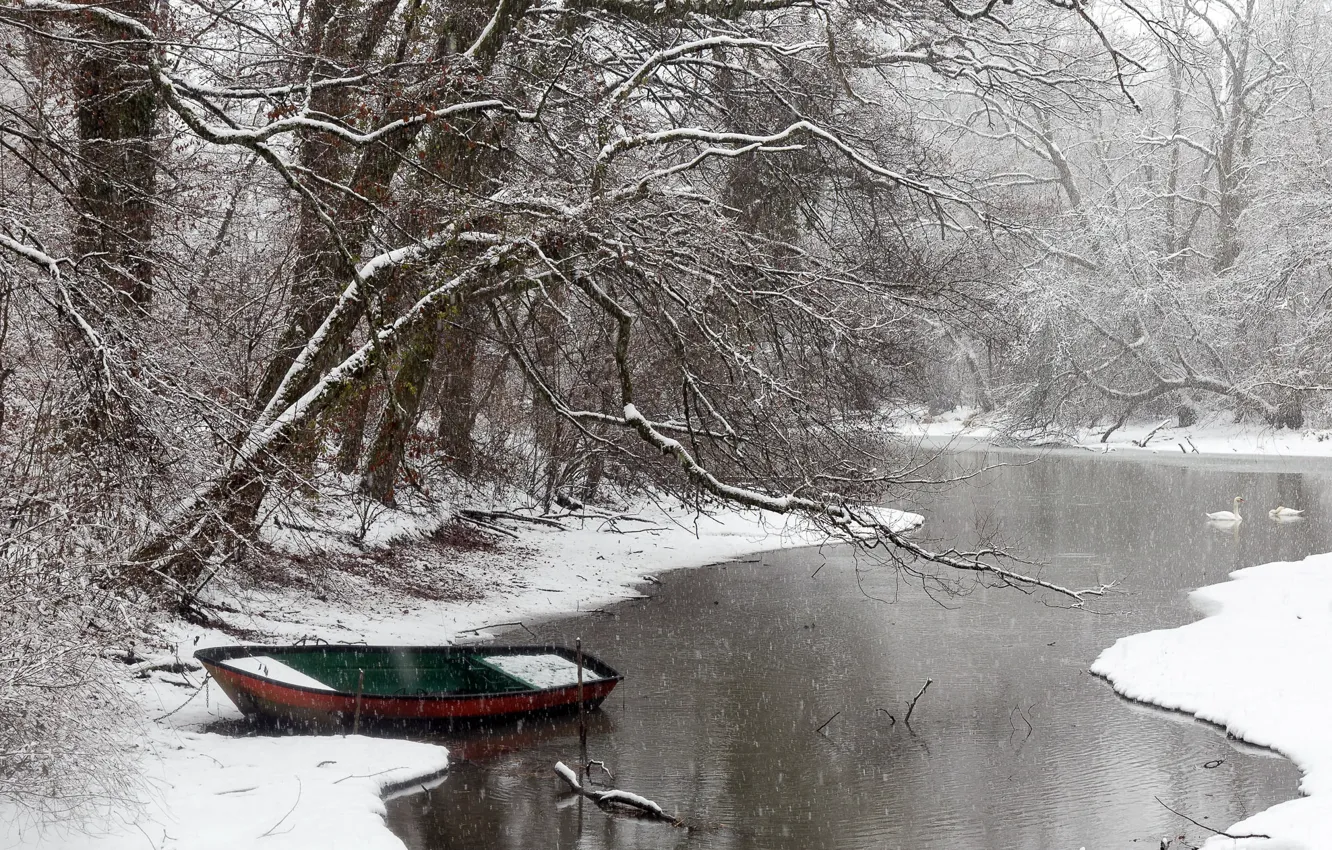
<point x="732" y="669"/>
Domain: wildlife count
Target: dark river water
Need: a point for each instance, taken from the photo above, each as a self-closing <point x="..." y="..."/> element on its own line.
<point x="731" y="671"/>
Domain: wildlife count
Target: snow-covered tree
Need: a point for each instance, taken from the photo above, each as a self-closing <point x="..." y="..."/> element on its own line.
<point x="697" y="244"/>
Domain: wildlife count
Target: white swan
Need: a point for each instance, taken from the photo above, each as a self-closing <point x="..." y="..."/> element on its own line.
<point x="1227" y="516"/>
<point x="1281" y="512"/>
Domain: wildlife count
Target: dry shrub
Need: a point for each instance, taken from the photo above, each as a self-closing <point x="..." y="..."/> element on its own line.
<point x="63" y="733"/>
<point x="64" y="614"/>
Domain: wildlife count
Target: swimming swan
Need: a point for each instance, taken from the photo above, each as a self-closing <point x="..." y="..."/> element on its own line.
<point x="1228" y="516"/>
<point x="1280" y="512"/>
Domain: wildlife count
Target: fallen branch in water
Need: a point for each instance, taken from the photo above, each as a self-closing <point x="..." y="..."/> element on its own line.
<point x="912" y="706"/>
<point x="613" y="798"/>
<point x="1208" y="828"/>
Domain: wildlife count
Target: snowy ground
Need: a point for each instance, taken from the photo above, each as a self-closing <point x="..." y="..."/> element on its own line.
<point x="209" y="790"/>
<point x="1210" y="438"/>
<point x="1159" y="437"/>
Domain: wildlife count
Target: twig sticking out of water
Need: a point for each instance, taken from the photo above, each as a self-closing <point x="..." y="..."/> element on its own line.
<point x="1208" y="828"/>
<point x="601" y="764"/>
<point x="890" y="715"/>
<point x="613" y="798"/>
<point x="1022" y="714"/>
<point x="825" y="723"/>
<point x="912" y="706"/>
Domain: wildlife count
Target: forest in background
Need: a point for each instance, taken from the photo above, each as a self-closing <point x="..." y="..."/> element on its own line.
<point x="258" y="254"/>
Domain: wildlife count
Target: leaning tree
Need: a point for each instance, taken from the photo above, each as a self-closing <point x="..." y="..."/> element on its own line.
<point x="697" y="238"/>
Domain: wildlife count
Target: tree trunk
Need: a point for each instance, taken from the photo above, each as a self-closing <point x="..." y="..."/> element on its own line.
<point x="1234" y="145"/>
<point x="116" y="109"/>
<point x="353" y="430"/>
<point x="457" y="376"/>
<point x="465" y="154"/>
<point x="321" y="273"/>
<point x="401" y="410"/>
<point x="1175" y="240"/>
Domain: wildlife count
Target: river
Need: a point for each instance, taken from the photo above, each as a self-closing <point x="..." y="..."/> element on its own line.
<point x="764" y="701"/>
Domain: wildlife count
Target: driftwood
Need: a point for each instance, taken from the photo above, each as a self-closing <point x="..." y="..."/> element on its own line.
<point x="611" y="800"/>
<point x="488" y="526"/>
<point x="1142" y="444"/>
<point x="490" y="516"/>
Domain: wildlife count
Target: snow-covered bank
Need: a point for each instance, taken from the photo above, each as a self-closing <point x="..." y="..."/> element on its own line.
<point x="539" y="573"/>
<point x="1211" y="438"/>
<point x="209" y="790"/>
<point x="1257" y="664"/>
<point x="966" y="428"/>
<point x="213" y="792"/>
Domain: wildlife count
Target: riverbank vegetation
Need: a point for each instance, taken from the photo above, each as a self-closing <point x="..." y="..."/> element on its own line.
<point x="369" y="252"/>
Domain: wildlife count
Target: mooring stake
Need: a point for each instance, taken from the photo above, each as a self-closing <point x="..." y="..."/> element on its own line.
<point x="360" y="687"/>
<point x="582" y="710"/>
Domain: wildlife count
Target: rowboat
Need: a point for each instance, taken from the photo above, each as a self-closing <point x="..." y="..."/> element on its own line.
<point x="328" y="684"/>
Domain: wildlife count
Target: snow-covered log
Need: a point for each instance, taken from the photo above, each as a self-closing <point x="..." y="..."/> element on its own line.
<point x="613" y="798"/>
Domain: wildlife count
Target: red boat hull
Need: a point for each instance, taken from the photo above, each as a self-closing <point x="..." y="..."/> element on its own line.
<point x="264" y="698"/>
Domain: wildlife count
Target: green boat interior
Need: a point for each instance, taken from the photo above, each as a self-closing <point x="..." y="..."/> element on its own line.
<point x="413" y="671"/>
<point x="398" y="673"/>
